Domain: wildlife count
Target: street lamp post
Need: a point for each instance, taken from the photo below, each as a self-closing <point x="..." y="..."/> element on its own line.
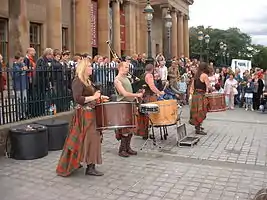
<point x="224" y="51"/>
<point x="168" y="25"/>
<point x="149" y="16"/>
<point x="227" y="58"/>
<point x="221" y="48"/>
<point x="207" y="41"/>
<point x="200" y="37"/>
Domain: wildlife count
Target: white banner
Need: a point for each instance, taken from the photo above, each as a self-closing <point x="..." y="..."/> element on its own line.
<point x="243" y="65"/>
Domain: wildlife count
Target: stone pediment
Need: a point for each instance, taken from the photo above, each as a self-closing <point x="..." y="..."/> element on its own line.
<point x="159" y="2"/>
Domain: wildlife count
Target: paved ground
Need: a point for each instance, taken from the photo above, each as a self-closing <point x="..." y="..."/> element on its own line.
<point x="229" y="163"/>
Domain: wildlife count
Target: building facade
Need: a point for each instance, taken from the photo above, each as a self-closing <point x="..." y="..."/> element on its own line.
<point x="85" y="26"/>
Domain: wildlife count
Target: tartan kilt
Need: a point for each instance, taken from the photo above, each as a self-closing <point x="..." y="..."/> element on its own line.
<point x="72" y="153"/>
<point x="142" y="125"/>
<point x="121" y="131"/>
<point x="142" y="119"/>
<point x="198" y="108"/>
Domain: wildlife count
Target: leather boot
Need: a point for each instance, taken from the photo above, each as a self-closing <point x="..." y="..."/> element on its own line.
<point x="123" y="147"/>
<point x="201" y="127"/>
<point x="90" y="170"/>
<point x="128" y="147"/>
<point x="200" y="131"/>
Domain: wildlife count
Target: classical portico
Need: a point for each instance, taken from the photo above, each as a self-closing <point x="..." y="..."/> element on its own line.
<point x="136" y="26"/>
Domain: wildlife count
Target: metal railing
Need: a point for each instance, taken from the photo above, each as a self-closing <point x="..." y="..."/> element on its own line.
<point x="29" y="94"/>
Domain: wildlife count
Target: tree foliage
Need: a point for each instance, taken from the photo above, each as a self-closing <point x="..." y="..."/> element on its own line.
<point x="239" y="46"/>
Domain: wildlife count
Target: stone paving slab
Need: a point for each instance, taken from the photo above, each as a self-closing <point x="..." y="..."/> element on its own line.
<point x="139" y="177"/>
<point x="245" y="143"/>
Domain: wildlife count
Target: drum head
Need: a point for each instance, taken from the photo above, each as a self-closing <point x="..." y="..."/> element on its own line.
<point x="149" y="105"/>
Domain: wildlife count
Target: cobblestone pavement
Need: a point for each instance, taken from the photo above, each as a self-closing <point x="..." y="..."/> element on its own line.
<point x="227" y="164"/>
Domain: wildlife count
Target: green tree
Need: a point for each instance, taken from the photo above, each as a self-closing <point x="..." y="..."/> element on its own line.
<point x="259" y="58"/>
<point x="236" y="41"/>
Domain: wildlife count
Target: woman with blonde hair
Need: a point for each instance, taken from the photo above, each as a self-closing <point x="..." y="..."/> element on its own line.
<point x="83" y="144"/>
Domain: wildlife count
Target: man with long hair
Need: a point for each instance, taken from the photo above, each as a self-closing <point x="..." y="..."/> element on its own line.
<point x="199" y="87"/>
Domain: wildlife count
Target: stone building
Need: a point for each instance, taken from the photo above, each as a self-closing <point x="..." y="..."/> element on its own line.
<point x="86" y="25"/>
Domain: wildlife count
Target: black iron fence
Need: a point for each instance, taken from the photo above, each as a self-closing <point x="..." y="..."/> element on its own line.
<point x="29" y="94"/>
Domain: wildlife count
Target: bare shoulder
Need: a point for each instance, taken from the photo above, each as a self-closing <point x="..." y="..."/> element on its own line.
<point x="203" y="77"/>
<point x="149" y="75"/>
<point x="116" y="80"/>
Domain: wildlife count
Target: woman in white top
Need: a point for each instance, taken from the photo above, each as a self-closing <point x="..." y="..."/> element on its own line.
<point x="230" y="91"/>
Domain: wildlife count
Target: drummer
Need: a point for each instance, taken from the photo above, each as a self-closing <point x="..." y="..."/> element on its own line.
<point x="200" y="86"/>
<point x="151" y="91"/>
<point x="151" y="94"/>
<point x="124" y="92"/>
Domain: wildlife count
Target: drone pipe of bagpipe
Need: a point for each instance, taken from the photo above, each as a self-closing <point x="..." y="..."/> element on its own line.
<point x="112" y="51"/>
<point x="133" y="77"/>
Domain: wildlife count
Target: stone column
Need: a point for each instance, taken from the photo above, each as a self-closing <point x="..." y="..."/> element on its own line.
<point x="103" y="27"/>
<point x="130" y="12"/>
<point x="174" y="33"/>
<point x="116" y="29"/>
<point x="54" y="23"/>
<point x="164" y="9"/>
<point x="141" y="31"/>
<point x="186" y="37"/>
<point x="19" y="39"/>
<point x="180" y="34"/>
<point x="83" y="43"/>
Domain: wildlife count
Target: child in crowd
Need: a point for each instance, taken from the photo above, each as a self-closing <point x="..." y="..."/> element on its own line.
<point x="218" y="89"/>
<point x="182" y="89"/>
<point x="249" y="88"/>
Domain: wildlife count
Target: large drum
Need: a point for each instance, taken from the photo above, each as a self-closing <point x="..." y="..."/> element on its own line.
<point x="114" y="115"/>
<point x="216" y="102"/>
<point x="167" y="115"/>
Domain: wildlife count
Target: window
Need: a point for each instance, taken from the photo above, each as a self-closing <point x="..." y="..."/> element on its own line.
<point x="4" y="39"/>
<point x="35" y="38"/>
<point x="65" y="39"/>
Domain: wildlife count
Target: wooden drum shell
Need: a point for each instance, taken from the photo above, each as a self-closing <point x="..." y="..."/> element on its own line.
<point x="167" y="115"/>
<point x="114" y="115"/>
<point x="216" y="102"/>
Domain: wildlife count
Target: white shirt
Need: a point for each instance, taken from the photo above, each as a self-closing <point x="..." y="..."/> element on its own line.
<point x="163" y="72"/>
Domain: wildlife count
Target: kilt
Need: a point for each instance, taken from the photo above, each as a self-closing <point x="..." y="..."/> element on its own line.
<point x="82" y="142"/>
<point x="198" y="108"/>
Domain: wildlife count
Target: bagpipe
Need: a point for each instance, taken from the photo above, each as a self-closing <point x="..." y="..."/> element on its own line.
<point x="133" y="79"/>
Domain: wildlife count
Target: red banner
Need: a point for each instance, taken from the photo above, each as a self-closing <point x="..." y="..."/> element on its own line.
<point x="94" y="24"/>
<point x="122" y="30"/>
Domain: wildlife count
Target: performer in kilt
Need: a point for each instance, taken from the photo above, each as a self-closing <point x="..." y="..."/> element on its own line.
<point x="198" y="109"/>
<point x="83" y="144"/>
<point x="147" y="83"/>
<point x="124" y="92"/>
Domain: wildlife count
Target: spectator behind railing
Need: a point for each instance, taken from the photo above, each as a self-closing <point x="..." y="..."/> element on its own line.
<point x="2" y="77"/>
<point x="43" y="77"/>
<point x="20" y="84"/>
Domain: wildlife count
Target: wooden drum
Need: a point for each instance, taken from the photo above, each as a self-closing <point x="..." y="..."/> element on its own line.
<point x="167" y="115"/>
<point x="114" y="115"/>
<point x="216" y="102"/>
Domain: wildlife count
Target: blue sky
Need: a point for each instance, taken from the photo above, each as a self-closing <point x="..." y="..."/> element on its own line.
<point x="248" y="15"/>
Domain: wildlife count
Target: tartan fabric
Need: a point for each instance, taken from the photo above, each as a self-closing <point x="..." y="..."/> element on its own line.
<point x="198" y="109"/>
<point x="121" y="131"/>
<point x="142" y="119"/>
<point x="71" y="156"/>
<point x="142" y="125"/>
<point x="149" y="98"/>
